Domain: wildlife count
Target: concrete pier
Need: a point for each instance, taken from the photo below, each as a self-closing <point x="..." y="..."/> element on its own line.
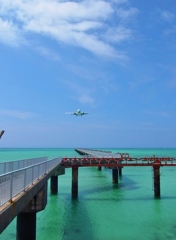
<point x="120" y="171"/>
<point x="156" y="172"/>
<point x="74" y="181"/>
<point x="26" y="219"/>
<point x="54" y="179"/>
<point x="32" y="197"/>
<point x="54" y="185"/>
<point x="26" y="226"/>
<point x="115" y="175"/>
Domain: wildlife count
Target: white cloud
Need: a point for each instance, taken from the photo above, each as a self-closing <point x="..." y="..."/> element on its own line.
<point x="48" y="53"/>
<point x="118" y="34"/>
<point x="167" y="16"/>
<point x="159" y="113"/>
<point x="119" y="1"/>
<point x="124" y="14"/>
<point x="85" y="98"/>
<point x="80" y="23"/>
<point x="9" y="33"/>
<point x="82" y="94"/>
<point x="140" y="82"/>
<point x="17" y="114"/>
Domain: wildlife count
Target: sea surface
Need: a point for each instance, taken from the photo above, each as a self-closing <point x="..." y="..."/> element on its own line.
<point x="103" y="210"/>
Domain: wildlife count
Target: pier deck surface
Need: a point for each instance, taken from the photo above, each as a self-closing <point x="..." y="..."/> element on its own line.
<point x="97" y="153"/>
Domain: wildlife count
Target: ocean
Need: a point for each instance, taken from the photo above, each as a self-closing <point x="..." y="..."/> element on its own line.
<point x="103" y="210"/>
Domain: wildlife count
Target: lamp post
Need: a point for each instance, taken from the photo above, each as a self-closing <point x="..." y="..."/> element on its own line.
<point x="1" y="133"/>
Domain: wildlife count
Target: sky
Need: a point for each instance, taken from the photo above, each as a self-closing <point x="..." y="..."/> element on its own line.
<point x="115" y="59"/>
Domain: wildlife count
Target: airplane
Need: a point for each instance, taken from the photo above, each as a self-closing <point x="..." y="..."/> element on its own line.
<point x="78" y="113"/>
<point x="1" y="133"/>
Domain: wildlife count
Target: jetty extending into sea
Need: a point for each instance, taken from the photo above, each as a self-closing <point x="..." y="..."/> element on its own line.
<point x="24" y="183"/>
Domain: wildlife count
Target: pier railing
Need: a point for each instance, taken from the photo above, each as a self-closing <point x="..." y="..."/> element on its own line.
<point x="118" y="162"/>
<point x="6" y="167"/>
<point x="14" y="182"/>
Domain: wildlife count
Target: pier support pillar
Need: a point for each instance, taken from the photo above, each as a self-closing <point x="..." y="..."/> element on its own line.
<point x="120" y="171"/>
<point x="54" y="179"/>
<point x="99" y="168"/>
<point x="26" y="226"/>
<point x="74" y="181"/>
<point x="26" y="220"/>
<point x="115" y="175"/>
<point x="54" y="185"/>
<point x="156" y="170"/>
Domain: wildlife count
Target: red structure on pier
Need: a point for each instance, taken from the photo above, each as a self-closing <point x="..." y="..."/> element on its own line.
<point x="116" y="164"/>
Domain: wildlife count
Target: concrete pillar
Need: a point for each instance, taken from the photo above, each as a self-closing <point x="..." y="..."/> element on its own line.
<point x="54" y="185"/>
<point x="74" y="181"/>
<point x="156" y="170"/>
<point x="26" y="220"/>
<point x="120" y="171"/>
<point x="26" y="226"/>
<point x="99" y="168"/>
<point x="115" y="175"/>
<point x="54" y="179"/>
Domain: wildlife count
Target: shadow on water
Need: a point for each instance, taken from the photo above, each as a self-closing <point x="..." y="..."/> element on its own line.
<point x="136" y="198"/>
<point x="64" y="219"/>
<point x="112" y="186"/>
<point x="125" y="183"/>
<point x="77" y="222"/>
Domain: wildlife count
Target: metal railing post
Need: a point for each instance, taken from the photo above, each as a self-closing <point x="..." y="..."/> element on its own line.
<point x="11" y="186"/>
<point x="38" y="170"/>
<point x="45" y="167"/>
<point x="16" y="181"/>
<point x="5" y="167"/>
<point x="25" y="179"/>
<point x="32" y="175"/>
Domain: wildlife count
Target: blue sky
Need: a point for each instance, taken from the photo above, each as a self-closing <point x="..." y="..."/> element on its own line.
<point x="115" y="59"/>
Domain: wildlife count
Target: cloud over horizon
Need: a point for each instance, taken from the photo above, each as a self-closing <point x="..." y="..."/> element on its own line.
<point x="17" y="114"/>
<point x="85" y="24"/>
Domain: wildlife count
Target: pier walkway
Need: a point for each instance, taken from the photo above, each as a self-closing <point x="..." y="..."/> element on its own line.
<point x="23" y="184"/>
<point x="98" y="153"/>
<point x="115" y="161"/>
<point x="109" y="159"/>
<point x="23" y="192"/>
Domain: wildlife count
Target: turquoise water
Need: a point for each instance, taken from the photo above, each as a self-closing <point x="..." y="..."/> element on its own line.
<point x="103" y="210"/>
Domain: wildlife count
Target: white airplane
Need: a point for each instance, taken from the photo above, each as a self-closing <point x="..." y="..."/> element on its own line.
<point x="78" y="113"/>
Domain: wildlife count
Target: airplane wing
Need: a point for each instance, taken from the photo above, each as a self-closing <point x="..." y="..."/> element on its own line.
<point x="72" y="113"/>
<point x="78" y="113"/>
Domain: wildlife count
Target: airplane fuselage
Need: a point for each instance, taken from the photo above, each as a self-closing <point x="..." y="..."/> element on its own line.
<point x="78" y="113"/>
